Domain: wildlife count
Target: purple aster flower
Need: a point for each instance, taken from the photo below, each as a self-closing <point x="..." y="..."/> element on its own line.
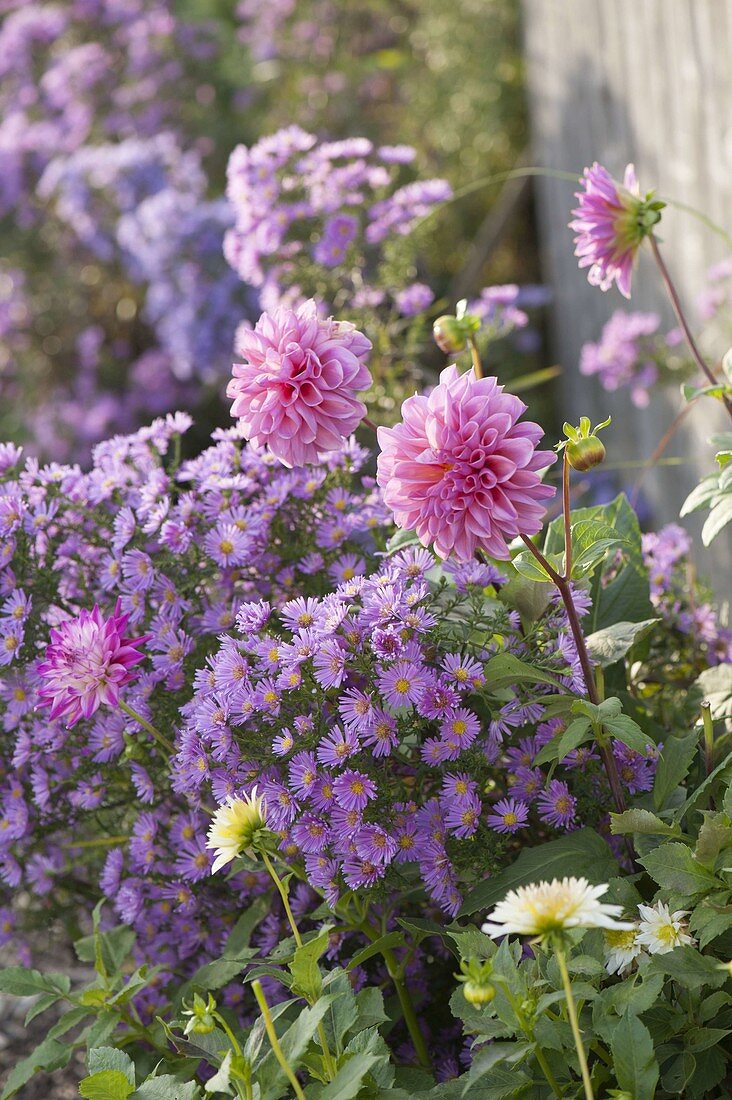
<point x="610" y="222"/>
<point x="508" y="816"/>
<point x="382" y="736"/>
<point x="414" y="299"/>
<point x="353" y="790"/>
<point x="462" y="817"/>
<point x="374" y="844"/>
<point x="227" y="545"/>
<point x="86" y="663"/>
<point x="556" y="805"/>
<point x="403" y="683"/>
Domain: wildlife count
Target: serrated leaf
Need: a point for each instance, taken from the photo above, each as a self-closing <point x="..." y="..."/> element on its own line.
<point x="673" y="867"/>
<point x="689" y="967"/>
<point x="384" y="943"/>
<point x="109" y="1058"/>
<point x="167" y="1088"/>
<point x="505" y="669"/>
<point x="701" y="496"/>
<point x="629" y="732"/>
<point x="610" y="644"/>
<point x="673" y="765"/>
<point x="634" y="1058"/>
<point x="48" y="1056"/>
<point x="642" y="822"/>
<point x="109" y="1084"/>
<point x="348" y="1081"/>
<point x="20" y="981"/>
<point x="307" y="980"/>
<point x="221" y="1080"/>
<point x="576" y="733"/>
<point x="583" y="851"/>
<point x="717" y="520"/>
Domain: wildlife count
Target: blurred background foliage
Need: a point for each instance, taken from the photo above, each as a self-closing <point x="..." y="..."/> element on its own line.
<point x="95" y="342"/>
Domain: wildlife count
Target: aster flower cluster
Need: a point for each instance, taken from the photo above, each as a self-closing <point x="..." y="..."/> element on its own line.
<point x="166" y="551"/>
<point x="297" y="200"/>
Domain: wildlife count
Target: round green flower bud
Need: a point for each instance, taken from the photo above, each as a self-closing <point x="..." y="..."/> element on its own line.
<point x="583" y="454"/>
<point x="479" y="993"/>
<point x="449" y="334"/>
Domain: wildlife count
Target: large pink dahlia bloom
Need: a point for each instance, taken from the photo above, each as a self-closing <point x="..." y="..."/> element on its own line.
<point x="87" y="661"/>
<point x="461" y="471"/>
<point x="611" y="221"/>
<point x="296" y="390"/>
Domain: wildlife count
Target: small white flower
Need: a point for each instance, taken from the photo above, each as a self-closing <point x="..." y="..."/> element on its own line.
<point x="545" y="907"/>
<point x="661" y="930"/>
<point x="234" y="827"/>
<point x="621" y="949"/>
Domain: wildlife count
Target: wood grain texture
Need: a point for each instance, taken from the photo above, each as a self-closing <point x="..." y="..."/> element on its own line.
<point x="647" y="81"/>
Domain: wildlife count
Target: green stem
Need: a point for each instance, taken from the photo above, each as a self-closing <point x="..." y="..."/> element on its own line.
<point x="237" y="1050"/>
<point x="706" y="710"/>
<point x="681" y="318"/>
<point x="574" y="1022"/>
<point x="529" y="1033"/>
<point x="274" y="1041"/>
<point x="156" y="734"/>
<point x="405" y="1000"/>
<point x="475" y="356"/>
<point x="330" y="1065"/>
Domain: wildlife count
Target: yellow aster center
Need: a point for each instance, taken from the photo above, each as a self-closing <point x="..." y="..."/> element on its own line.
<point x="401" y="686"/>
<point x="357" y="786"/>
<point x="510" y="818"/>
<point x="459" y="727"/>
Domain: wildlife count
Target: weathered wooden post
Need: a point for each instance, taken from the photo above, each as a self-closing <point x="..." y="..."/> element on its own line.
<point x="647" y="81"/>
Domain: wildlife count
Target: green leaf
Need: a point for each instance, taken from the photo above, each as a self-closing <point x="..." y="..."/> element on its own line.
<point x="307" y="981"/>
<point x="215" y="974"/>
<point x="674" y="868"/>
<point x="221" y="1080"/>
<point x="22" y="982"/>
<point x="39" y="1006"/>
<point x="48" y="1056"/>
<point x="166" y="1088"/>
<point x="715" y="685"/>
<point x="294" y="1043"/>
<point x="109" y="1058"/>
<point x="717" y="520"/>
<point x="109" y="948"/>
<point x="505" y="669"/>
<point x="530" y="569"/>
<point x="701" y="496"/>
<point x="485" y="1060"/>
<point x="370" y="1004"/>
<point x="241" y="933"/>
<point x="384" y="943"/>
<point x="689" y="968"/>
<point x="576" y="733"/>
<point x="110" y="1084"/>
<point x="629" y="732"/>
<point x="642" y="822"/>
<point x="636" y="1068"/>
<point x="591" y="542"/>
<point x="583" y="853"/>
<point x="626" y="596"/>
<point x="673" y="765"/>
<point x="348" y="1081"/>
<point x="610" y="644"/>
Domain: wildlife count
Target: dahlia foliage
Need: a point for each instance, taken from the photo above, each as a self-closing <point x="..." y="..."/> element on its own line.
<point x="282" y="718"/>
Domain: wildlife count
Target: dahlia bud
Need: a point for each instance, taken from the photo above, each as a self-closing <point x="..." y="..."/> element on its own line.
<point x="452" y="332"/>
<point x="449" y="335"/>
<point x="479" y="993"/>
<point x="201" y="1012"/>
<point x="584" y="450"/>
<point x="477" y="989"/>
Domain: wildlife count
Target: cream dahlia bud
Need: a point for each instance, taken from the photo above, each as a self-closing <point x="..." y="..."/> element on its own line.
<point x="201" y="1020"/>
<point x="238" y="827"/>
<point x="453" y="331"/>
<point x="477" y="988"/>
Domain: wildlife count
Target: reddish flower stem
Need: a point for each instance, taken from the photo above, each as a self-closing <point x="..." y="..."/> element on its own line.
<point x="681" y="318"/>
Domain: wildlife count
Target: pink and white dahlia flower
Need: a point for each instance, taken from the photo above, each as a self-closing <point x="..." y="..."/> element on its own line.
<point x="86" y="663"/>
<point x="461" y="471"/>
<point x="611" y="221"/>
<point x="296" y="389"/>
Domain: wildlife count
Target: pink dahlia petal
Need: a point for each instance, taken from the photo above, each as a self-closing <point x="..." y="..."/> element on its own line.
<point x="610" y="226"/>
<point x="461" y="471"/>
<point x="296" y="391"/>
<point x="86" y="663"/>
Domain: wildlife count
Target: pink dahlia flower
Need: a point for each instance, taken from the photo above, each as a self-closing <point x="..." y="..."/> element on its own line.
<point x="461" y="471"/>
<point x="87" y="661"/>
<point x="611" y="221"/>
<point x="296" y="390"/>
